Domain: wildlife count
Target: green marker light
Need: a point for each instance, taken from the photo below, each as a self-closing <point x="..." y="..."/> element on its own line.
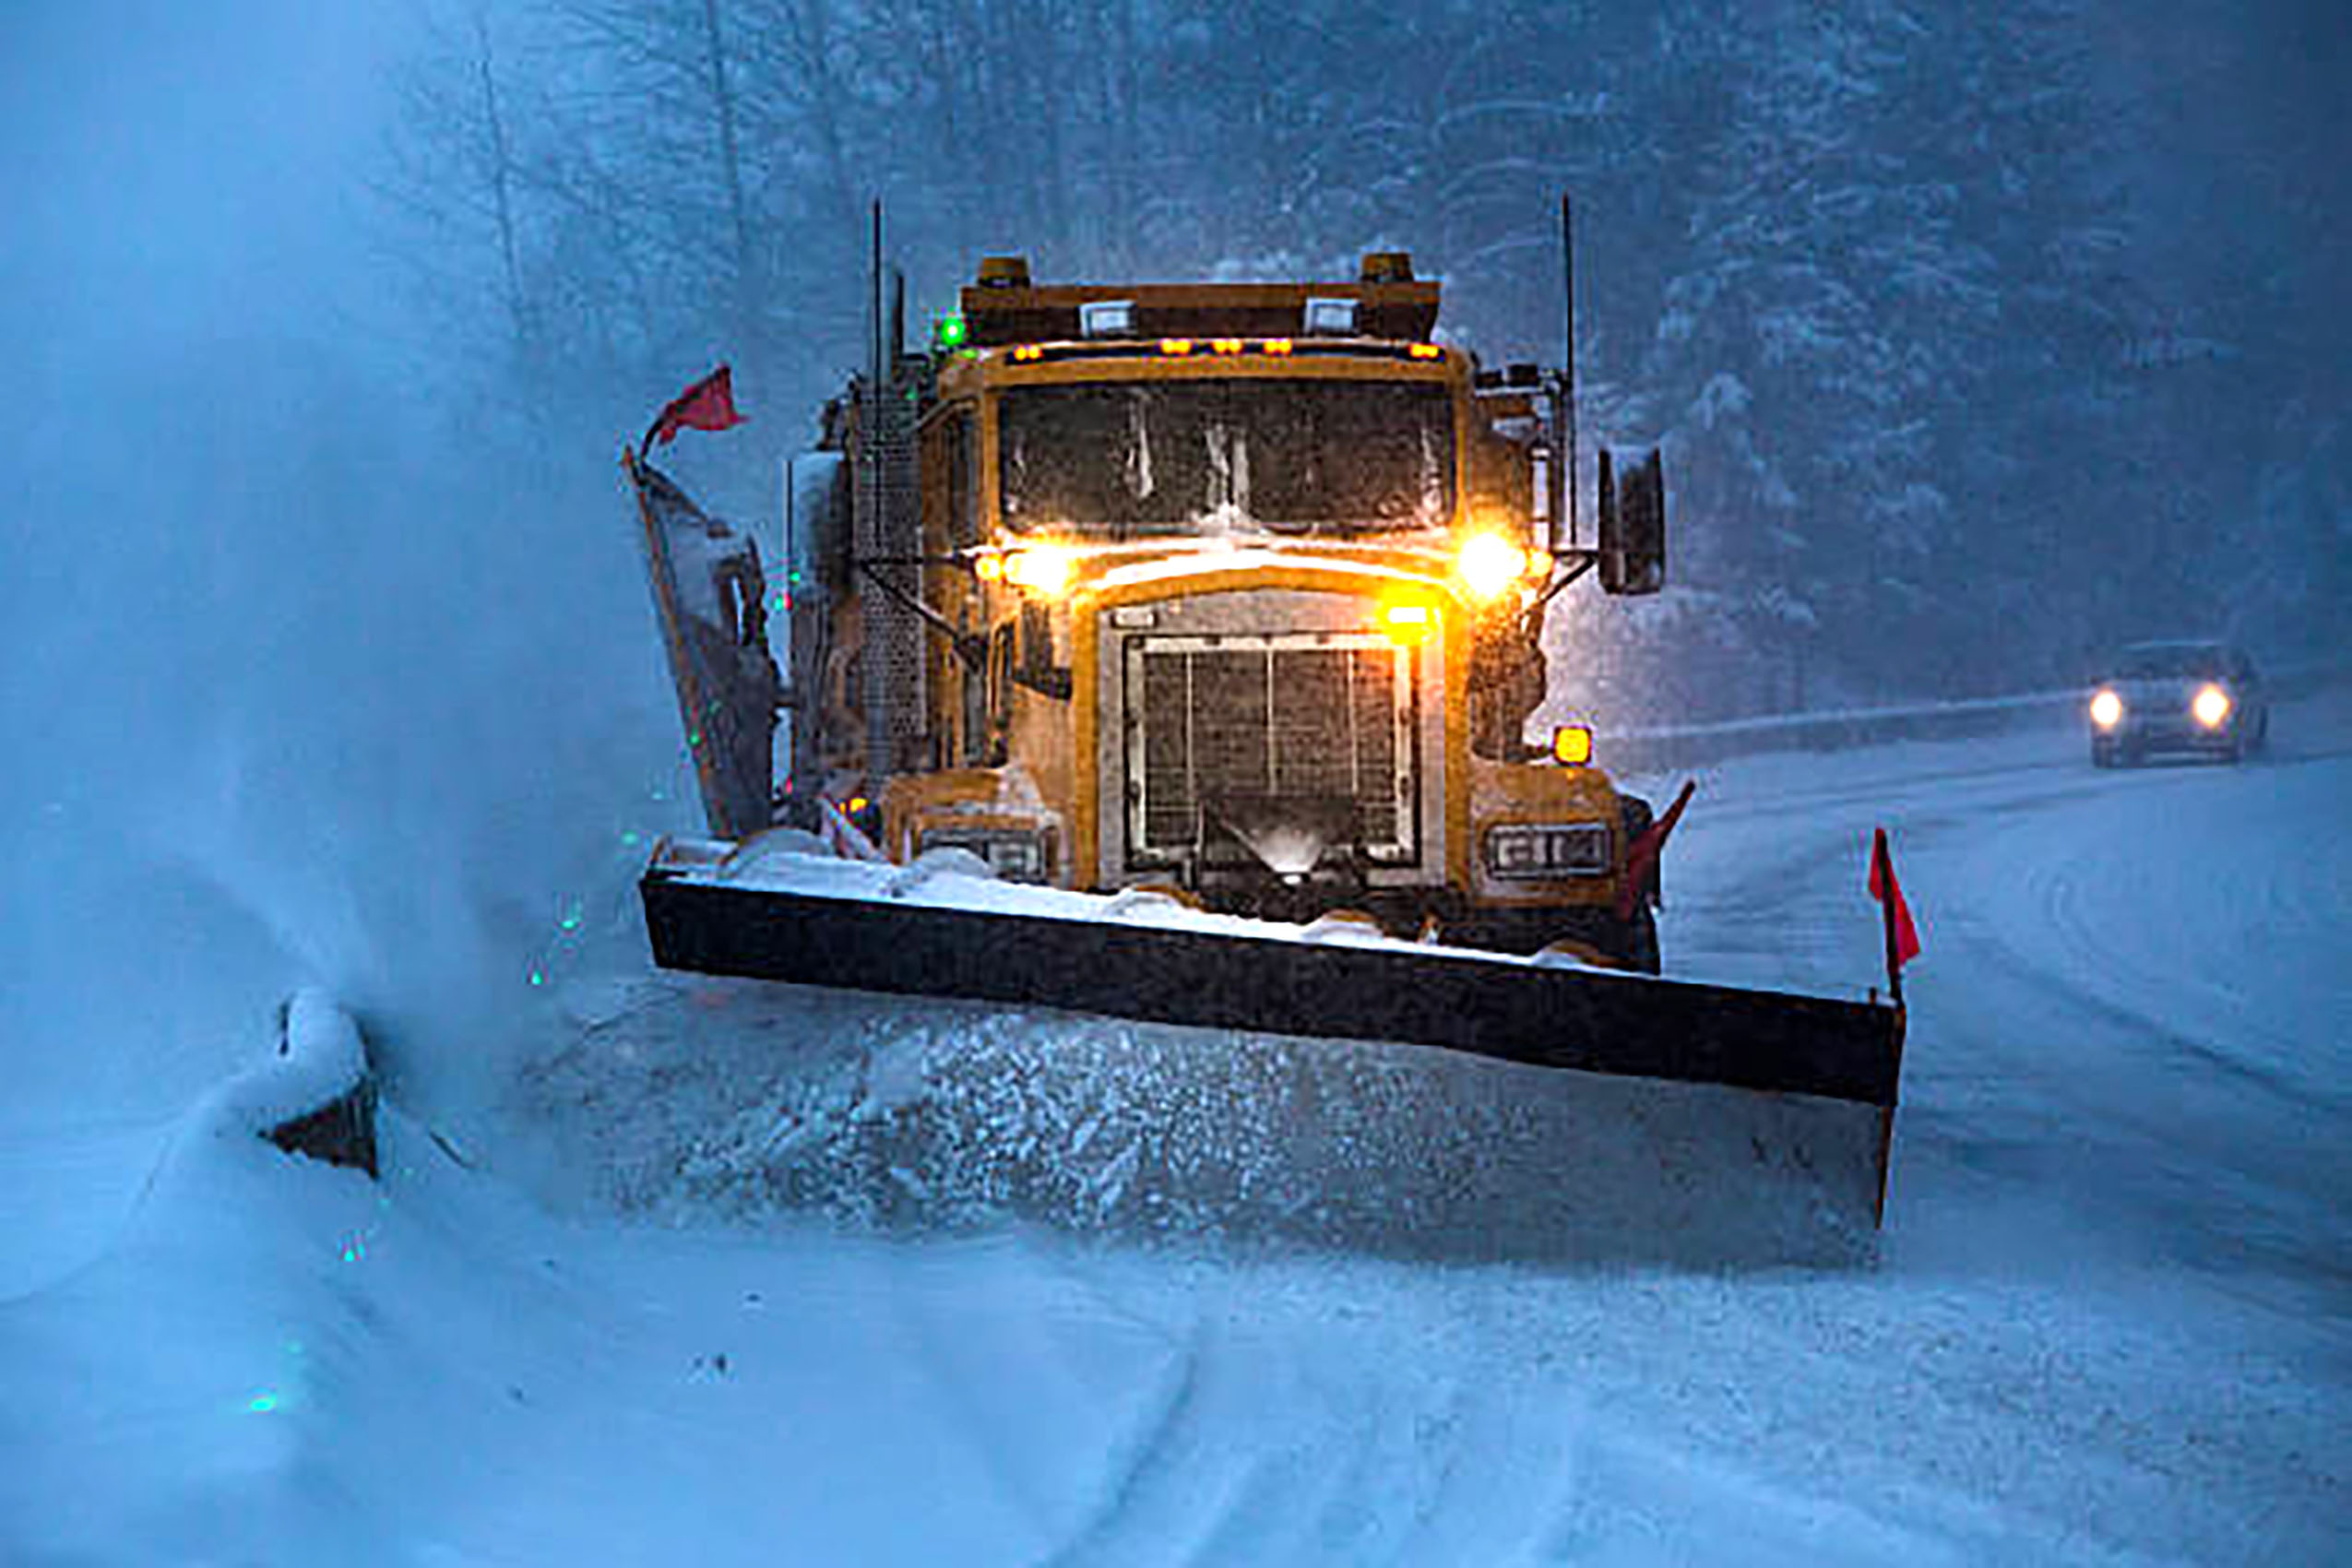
<point x="950" y="331"/>
<point x="262" y="1404"/>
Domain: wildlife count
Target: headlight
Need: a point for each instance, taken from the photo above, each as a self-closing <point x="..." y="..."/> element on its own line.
<point x="1490" y="565"/>
<point x="1539" y="852"/>
<point x="2210" y="708"/>
<point x="1041" y="568"/>
<point x="2107" y="710"/>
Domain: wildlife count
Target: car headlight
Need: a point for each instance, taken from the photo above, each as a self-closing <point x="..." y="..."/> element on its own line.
<point x="1548" y="850"/>
<point x="2107" y="710"/>
<point x="2210" y="708"/>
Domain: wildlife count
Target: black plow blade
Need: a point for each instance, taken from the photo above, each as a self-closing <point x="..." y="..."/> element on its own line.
<point x="1829" y="1068"/>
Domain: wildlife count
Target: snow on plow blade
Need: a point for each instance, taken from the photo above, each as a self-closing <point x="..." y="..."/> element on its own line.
<point x="808" y="920"/>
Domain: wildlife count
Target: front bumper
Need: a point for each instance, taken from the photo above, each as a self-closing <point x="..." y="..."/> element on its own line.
<point x="1408" y="912"/>
<point x="2149" y="736"/>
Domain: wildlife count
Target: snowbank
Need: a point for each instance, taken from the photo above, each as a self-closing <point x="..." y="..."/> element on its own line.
<point x="160" y="1396"/>
<point x="317" y="1097"/>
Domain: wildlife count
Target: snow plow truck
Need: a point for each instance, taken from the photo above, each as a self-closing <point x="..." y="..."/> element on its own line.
<point x="1199" y="625"/>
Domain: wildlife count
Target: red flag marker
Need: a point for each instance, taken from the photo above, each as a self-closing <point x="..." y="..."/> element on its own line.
<point x="709" y="404"/>
<point x="1902" y="936"/>
<point x="1641" y="857"/>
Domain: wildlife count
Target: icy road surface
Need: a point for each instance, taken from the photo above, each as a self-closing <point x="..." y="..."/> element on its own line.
<point x="733" y="1278"/>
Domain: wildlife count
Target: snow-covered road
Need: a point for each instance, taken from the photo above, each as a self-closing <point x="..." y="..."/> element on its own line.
<point x="2110" y="1319"/>
<point x="2138" y="1014"/>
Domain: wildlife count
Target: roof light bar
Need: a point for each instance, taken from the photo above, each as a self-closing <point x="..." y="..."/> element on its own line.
<point x="1194" y="348"/>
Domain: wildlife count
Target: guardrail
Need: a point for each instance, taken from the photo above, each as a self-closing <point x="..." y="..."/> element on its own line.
<point x="1689" y="745"/>
<point x="316" y="1096"/>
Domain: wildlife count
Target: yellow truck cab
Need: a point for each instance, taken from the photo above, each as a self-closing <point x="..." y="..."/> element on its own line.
<point x="1234" y="589"/>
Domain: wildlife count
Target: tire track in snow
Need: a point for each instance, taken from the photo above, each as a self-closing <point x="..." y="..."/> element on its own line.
<point x="1142" y="1463"/>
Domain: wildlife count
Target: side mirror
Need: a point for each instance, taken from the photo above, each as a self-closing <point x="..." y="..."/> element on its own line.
<point x="1632" y="525"/>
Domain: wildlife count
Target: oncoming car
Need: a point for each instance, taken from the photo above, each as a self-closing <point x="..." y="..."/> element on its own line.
<point x="2201" y="699"/>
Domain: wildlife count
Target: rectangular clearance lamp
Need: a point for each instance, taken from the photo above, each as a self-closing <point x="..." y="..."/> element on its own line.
<point x="1571" y="745"/>
<point x="1107" y="318"/>
<point x="1330" y="318"/>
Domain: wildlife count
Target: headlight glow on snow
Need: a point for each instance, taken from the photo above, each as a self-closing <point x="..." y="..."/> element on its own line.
<point x="2107" y="710"/>
<point x="2210" y="708"/>
<point x="1490" y="563"/>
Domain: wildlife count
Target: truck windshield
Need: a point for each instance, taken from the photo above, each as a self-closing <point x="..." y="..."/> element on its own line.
<point x="1193" y="456"/>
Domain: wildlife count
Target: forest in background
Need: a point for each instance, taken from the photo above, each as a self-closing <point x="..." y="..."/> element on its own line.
<point x="1978" y="339"/>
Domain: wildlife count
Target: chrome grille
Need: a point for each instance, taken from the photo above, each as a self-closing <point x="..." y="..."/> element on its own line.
<point x="1304" y="716"/>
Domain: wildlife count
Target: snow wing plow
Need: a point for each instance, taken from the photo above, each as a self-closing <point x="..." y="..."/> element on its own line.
<point x="1204" y="622"/>
<point x="711" y="598"/>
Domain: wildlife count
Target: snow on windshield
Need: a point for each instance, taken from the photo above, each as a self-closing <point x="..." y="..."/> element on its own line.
<point x="1294" y="455"/>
